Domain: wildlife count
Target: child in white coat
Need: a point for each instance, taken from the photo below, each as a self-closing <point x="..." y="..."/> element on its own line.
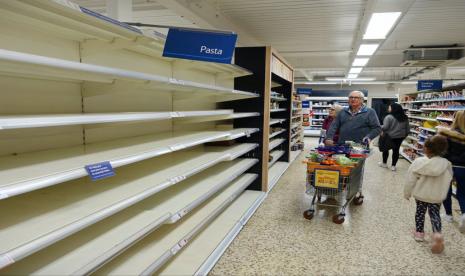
<point x="428" y="182"/>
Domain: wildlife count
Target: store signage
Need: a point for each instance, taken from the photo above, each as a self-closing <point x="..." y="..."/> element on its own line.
<point x="305" y="104"/>
<point x="429" y="85"/>
<point x="200" y="45"/>
<point x="100" y="170"/>
<point x="327" y="179"/>
<point x="304" y="91"/>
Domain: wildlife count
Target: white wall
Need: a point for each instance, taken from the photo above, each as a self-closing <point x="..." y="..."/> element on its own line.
<point x="374" y="90"/>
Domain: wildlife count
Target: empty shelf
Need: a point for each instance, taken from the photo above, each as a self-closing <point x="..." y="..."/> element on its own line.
<point x="156" y="249"/>
<point x="219" y="117"/>
<point x="72" y="21"/>
<point x="57" y="213"/>
<point x="294" y="154"/>
<point x="295" y="134"/>
<point x="238" y="133"/>
<point x="274" y="143"/>
<point x="89" y="249"/>
<point x="275" y="172"/>
<point x="276" y="133"/>
<point x="203" y="252"/>
<point x="14" y="122"/>
<point x="31" y="171"/>
<point x="276" y="121"/>
<point x="39" y="66"/>
<point x="278" y="110"/>
<point x="276" y="155"/>
<point x="278" y="99"/>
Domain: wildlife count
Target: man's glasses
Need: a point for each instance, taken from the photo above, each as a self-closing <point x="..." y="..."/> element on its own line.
<point x="354" y="98"/>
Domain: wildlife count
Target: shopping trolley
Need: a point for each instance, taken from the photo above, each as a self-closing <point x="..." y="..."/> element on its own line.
<point x="339" y="184"/>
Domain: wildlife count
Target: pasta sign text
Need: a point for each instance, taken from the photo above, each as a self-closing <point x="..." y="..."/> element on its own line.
<point x="214" y="51"/>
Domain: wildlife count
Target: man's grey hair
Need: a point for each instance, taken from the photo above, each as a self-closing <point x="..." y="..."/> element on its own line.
<point x="360" y="93"/>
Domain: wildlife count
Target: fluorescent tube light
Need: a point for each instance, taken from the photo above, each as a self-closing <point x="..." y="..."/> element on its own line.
<point x="369" y="82"/>
<point x="350" y="79"/>
<point x="355" y="70"/>
<point x="360" y="61"/>
<point x="316" y="82"/>
<point x="380" y="24"/>
<point x="364" y="79"/>
<point x="367" y="49"/>
<point x="352" y="76"/>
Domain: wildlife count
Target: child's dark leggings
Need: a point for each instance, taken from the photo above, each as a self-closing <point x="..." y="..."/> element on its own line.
<point x="433" y="211"/>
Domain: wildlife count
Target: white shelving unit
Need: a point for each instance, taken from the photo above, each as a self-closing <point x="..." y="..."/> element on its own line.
<point x="297" y="133"/>
<point x="425" y="119"/>
<point x="319" y="107"/>
<point x="212" y="241"/>
<point x="103" y="241"/>
<point x="275" y="172"/>
<point x="276" y="155"/>
<point x="80" y="89"/>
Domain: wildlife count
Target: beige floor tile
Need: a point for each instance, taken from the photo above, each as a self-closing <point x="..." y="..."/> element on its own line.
<point x="374" y="240"/>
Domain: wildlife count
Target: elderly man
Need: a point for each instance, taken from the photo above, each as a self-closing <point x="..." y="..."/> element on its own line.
<point x="357" y="123"/>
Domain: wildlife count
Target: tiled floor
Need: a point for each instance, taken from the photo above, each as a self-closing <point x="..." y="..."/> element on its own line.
<point x="374" y="240"/>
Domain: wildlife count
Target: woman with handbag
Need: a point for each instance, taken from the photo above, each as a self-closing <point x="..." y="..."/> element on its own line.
<point x="394" y="130"/>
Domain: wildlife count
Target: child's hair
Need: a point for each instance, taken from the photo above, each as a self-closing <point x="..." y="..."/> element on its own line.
<point x="437" y="145"/>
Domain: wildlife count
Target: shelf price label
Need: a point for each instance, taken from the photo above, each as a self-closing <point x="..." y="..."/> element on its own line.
<point x="100" y="170"/>
<point x="327" y="179"/>
<point x="201" y="45"/>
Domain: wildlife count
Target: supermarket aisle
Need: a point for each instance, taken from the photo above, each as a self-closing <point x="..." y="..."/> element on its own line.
<point x="374" y="240"/>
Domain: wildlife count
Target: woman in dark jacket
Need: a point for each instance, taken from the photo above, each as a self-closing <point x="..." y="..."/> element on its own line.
<point x="333" y="111"/>
<point x="456" y="155"/>
<point x="395" y="125"/>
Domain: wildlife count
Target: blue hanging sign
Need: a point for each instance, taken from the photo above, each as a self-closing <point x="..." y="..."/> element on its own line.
<point x="429" y="85"/>
<point x="100" y="170"/>
<point x="304" y="91"/>
<point x="200" y="45"/>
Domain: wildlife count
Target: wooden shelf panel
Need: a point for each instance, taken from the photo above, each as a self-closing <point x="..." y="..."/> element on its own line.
<point x="72" y="22"/>
<point x="156" y="249"/>
<point x="27" y="172"/>
<point x="22" y="64"/>
<point x="212" y="242"/>
<point x="101" y="242"/>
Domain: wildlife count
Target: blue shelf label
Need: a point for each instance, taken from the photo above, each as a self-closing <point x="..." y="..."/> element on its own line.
<point x="200" y="45"/>
<point x="304" y="91"/>
<point x="100" y="170"/>
<point x="305" y="104"/>
<point x="429" y="85"/>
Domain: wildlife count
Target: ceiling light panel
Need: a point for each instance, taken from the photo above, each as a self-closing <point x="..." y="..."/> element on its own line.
<point x="355" y="70"/>
<point x="367" y="49"/>
<point x="360" y="61"/>
<point x="380" y="24"/>
<point x="352" y="76"/>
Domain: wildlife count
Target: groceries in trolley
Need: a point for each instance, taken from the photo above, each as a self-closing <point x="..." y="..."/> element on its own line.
<point x="335" y="177"/>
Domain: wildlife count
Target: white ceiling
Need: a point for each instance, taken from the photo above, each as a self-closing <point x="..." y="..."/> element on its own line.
<point x="319" y="37"/>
